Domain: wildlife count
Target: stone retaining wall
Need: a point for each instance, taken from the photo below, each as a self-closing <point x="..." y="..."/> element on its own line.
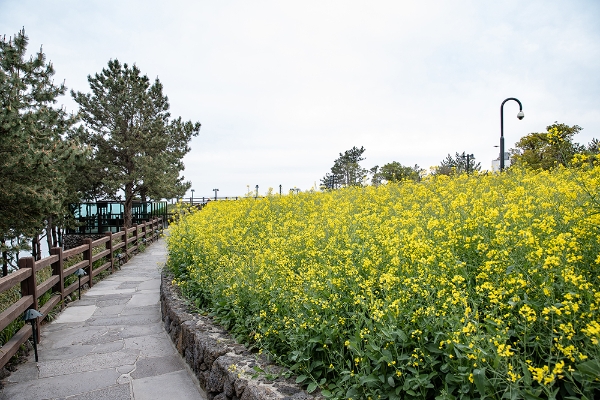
<point x="225" y="369"/>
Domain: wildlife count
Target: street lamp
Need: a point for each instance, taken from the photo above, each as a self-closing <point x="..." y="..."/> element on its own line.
<point x="256" y="196"/>
<point x="192" y="199"/>
<point x="520" y="115"/>
<point x="280" y="190"/>
<point x="215" y="190"/>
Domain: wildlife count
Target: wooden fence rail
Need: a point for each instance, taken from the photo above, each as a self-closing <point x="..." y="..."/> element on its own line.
<point x="127" y="239"/>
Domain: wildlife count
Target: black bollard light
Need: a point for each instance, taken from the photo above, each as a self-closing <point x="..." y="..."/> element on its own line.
<point x="80" y="272"/>
<point x="32" y="315"/>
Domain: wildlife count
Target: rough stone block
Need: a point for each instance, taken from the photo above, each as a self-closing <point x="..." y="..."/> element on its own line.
<point x="215" y="379"/>
<point x="228" y="388"/>
<point x="239" y="385"/>
<point x="223" y="367"/>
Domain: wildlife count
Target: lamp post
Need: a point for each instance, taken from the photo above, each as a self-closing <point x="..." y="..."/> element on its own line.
<point x="192" y="198"/>
<point x="79" y="273"/>
<point x="256" y="195"/>
<point x="215" y="190"/>
<point x="31" y="315"/>
<point x="280" y="190"/>
<point x="520" y="115"/>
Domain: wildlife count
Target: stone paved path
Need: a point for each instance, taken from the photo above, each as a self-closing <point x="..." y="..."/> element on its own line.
<point x="110" y="345"/>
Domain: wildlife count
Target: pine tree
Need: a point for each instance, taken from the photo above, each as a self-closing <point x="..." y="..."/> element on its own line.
<point x="35" y="158"/>
<point x="346" y="170"/>
<point x="136" y="149"/>
<point x="458" y="164"/>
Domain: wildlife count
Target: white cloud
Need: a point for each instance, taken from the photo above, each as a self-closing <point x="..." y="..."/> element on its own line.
<point x="282" y="87"/>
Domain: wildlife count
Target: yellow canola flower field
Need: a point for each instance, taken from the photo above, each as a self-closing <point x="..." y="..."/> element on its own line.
<point x="483" y="285"/>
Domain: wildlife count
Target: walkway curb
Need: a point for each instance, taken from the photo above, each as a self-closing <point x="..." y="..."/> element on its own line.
<point x="225" y="369"/>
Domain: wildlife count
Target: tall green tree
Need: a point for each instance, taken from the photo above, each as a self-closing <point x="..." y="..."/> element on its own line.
<point x="395" y="172"/>
<point x="458" y="164"/>
<point x="36" y="160"/>
<point x="546" y="150"/>
<point x="346" y="170"/>
<point x="137" y="149"/>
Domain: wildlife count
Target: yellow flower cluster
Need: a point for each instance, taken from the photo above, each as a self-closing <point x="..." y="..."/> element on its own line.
<point x="490" y="269"/>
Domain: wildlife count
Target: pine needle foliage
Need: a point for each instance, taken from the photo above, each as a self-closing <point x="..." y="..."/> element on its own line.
<point x="137" y="149"/>
<point x="36" y="159"/>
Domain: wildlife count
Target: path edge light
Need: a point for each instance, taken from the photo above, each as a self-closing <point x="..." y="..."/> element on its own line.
<point x="31" y="315"/>
<point x="79" y="273"/>
<point x="520" y="116"/>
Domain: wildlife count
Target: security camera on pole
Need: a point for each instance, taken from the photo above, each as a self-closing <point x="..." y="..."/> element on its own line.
<point x="520" y="115"/>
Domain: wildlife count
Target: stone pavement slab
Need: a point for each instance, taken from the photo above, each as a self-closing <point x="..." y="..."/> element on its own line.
<point x="167" y="386"/>
<point x="76" y="314"/>
<point x="109" y="345"/>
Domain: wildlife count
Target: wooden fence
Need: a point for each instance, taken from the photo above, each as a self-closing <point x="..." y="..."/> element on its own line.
<point x="127" y="240"/>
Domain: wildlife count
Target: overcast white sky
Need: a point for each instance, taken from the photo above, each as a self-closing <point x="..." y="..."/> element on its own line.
<point x="282" y="87"/>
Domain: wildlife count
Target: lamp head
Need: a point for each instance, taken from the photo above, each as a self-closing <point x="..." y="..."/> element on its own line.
<point x="520" y="115"/>
<point x="80" y="272"/>
<point x="31" y="314"/>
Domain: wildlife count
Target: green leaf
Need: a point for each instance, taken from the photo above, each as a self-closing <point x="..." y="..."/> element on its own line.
<point x="530" y="396"/>
<point x="387" y="354"/>
<point x="351" y="393"/>
<point x="301" y="378"/>
<point x="368" y="379"/>
<point x="311" y="387"/>
<point x="589" y="368"/>
<point x="401" y="335"/>
<point x="391" y="381"/>
<point x="480" y="380"/>
<point x="433" y="348"/>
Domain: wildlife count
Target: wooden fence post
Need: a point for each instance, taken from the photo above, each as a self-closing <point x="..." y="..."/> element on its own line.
<point x="29" y="286"/>
<point x="136" y="236"/>
<point x="144" y="233"/>
<point x="57" y="269"/>
<point x="87" y="255"/>
<point x="109" y="247"/>
<point x="124" y="253"/>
